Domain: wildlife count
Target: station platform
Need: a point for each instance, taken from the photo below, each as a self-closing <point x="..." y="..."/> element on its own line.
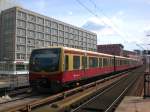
<point x="4" y="84"/>
<point x="14" y="81"/>
<point x="134" y="104"/>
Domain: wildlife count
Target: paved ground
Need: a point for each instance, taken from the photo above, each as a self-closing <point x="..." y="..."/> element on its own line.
<point x="134" y="104"/>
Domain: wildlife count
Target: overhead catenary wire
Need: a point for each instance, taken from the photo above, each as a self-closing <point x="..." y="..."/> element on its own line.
<point x="98" y="17"/>
<point x="113" y="25"/>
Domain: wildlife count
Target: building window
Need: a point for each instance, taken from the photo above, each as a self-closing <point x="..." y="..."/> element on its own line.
<point x="21" y="15"/>
<point x="80" y="33"/>
<point x="70" y="36"/>
<point x="66" y="35"/>
<point x="47" y="44"/>
<point x="54" y="39"/>
<point x="21" y="23"/>
<point x="21" y="40"/>
<point x="54" y="25"/>
<point x="40" y="36"/>
<point x="20" y="56"/>
<point x="40" y="20"/>
<point x="61" y="40"/>
<point x="21" y="48"/>
<point x="21" y="32"/>
<point x="29" y="50"/>
<point x="54" y="32"/>
<point x="66" y="28"/>
<point x="20" y="67"/>
<point x="48" y="37"/>
<point x="47" y="30"/>
<point x="71" y="30"/>
<point x="61" y="27"/>
<point x="66" y="41"/>
<point x="61" y="33"/>
<point x="31" y="34"/>
<point x="39" y="43"/>
<point x="31" y="18"/>
<point x="40" y="28"/>
<point x="31" y="26"/>
<point x="47" y="23"/>
<point x="31" y="42"/>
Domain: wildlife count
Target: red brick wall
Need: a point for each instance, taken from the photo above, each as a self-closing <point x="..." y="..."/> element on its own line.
<point x="113" y="49"/>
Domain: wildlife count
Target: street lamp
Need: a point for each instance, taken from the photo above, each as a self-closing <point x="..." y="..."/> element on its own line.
<point x="148" y="56"/>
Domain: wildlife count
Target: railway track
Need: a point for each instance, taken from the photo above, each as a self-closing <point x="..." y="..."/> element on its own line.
<point x="107" y="100"/>
<point x="85" y="91"/>
<point x="14" y="95"/>
<point x="96" y="99"/>
<point x="28" y="103"/>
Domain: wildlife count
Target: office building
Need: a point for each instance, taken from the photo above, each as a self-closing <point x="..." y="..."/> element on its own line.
<point x="22" y="30"/>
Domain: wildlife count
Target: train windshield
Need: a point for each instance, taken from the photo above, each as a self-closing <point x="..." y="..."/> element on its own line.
<point x="46" y="60"/>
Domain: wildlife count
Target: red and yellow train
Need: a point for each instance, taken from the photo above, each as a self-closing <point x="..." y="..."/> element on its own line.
<point x="55" y="67"/>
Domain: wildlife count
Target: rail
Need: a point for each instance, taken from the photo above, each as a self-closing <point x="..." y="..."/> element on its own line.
<point x="29" y="106"/>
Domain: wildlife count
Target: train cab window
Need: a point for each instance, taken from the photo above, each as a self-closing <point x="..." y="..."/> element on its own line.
<point x="84" y="62"/>
<point x="66" y="66"/>
<point x="100" y="62"/>
<point x="76" y="62"/>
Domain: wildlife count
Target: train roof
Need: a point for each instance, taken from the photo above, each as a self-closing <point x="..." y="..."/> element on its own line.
<point x="91" y="52"/>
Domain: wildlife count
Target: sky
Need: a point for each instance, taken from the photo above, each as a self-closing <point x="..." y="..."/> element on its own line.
<point x="125" y="22"/>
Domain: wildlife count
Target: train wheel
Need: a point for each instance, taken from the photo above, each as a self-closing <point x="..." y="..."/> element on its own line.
<point x="55" y="87"/>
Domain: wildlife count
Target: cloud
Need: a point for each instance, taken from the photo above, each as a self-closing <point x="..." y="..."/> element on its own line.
<point x="5" y="4"/>
<point x="98" y="26"/>
<point x="91" y="25"/>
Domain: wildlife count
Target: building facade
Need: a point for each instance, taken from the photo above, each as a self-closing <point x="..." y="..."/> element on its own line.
<point x="113" y="49"/>
<point x="130" y="54"/>
<point x="22" y="30"/>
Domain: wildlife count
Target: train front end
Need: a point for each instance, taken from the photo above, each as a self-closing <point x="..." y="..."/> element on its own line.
<point x="45" y="69"/>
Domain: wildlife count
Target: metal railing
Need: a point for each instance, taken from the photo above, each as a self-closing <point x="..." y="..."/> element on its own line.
<point x="147" y="84"/>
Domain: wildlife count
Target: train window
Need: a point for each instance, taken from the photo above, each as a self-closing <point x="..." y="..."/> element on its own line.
<point x="93" y="62"/>
<point x="84" y="62"/>
<point x="105" y="62"/>
<point x="66" y="66"/>
<point x="117" y="62"/>
<point x="90" y="62"/>
<point x="100" y="62"/>
<point x="112" y="60"/>
<point x="110" y="63"/>
<point x="120" y="62"/>
<point x="76" y="62"/>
